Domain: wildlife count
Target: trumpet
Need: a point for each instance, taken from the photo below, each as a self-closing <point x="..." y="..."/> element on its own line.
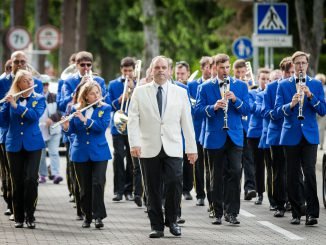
<point x="120" y="118"/>
<point x="225" y="90"/>
<point x="19" y="93"/>
<point x="68" y="118"/>
<point x="301" y="93"/>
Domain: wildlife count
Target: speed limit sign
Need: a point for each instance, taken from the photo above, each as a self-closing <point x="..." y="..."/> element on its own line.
<point x="18" y="38"/>
<point x="48" y="37"/>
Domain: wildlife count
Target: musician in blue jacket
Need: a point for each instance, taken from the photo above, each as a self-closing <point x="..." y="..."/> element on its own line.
<point x="90" y="151"/>
<point x="301" y="95"/>
<point x="224" y="146"/>
<point x="21" y="117"/>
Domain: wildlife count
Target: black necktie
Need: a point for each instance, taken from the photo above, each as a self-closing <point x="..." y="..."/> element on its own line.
<point x="159" y="99"/>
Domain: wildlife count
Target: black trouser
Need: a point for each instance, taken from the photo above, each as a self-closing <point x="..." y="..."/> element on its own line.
<point x="228" y="157"/>
<point x="199" y="173"/>
<point x="208" y="173"/>
<point x="5" y="177"/>
<point x="279" y="176"/>
<point x="69" y="169"/>
<point x="269" y="176"/>
<point x="302" y="158"/>
<point x="138" y="184"/>
<point x="248" y="166"/>
<point x="167" y="170"/>
<point x="258" y="155"/>
<point x="122" y="178"/>
<point x="188" y="175"/>
<point x="24" y="166"/>
<point x="91" y="179"/>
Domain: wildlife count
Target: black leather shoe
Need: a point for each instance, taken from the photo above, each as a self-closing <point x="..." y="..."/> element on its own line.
<point x="288" y="206"/>
<point x="259" y="200"/>
<point x="30" y="224"/>
<point x="180" y="220"/>
<point x="98" y="223"/>
<point x="156" y="234"/>
<point x="138" y="201"/>
<point x="200" y="202"/>
<point x="279" y="213"/>
<point x="226" y="217"/>
<point x="250" y="194"/>
<point x="86" y="224"/>
<point x="129" y="197"/>
<point x="217" y="221"/>
<point x="175" y="229"/>
<point x="19" y="225"/>
<point x="117" y="198"/>
<point x="310" y="220"/>
<point x="295" y="221"/>
<point x="187" y="196"/>
<point x="7" y="212"/>
<point x="233" y="220"/>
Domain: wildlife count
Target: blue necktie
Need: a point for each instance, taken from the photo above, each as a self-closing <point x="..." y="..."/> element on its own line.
<point x="159" y="99"/>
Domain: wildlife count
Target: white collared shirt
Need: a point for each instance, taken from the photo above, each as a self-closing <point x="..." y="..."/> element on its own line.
<point x="89" y="112"/>
<point x="164" y="94"/>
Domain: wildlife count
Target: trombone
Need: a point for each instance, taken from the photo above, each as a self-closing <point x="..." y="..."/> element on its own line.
<point x="19" y="93"/>
<point x="301" y="97"/>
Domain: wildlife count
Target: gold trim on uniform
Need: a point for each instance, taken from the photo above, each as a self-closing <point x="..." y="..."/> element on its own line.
<point x="34" y="103"/>
<point x="100" y="113"/>
<point x="23" y="114"/>
<point x="91" y="124"/>
<point x="317" y="103"/>
<point x="240" y="105"/>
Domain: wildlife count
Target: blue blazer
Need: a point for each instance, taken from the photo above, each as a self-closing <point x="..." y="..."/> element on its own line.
<point x="23" y="124"/>
<point x="293" y="129"/>
<point x="256" y="122"/>
<point x="90" y="143"/>
<point x="69" y="86"/>
<point x="208" y="94"/>
<point x="275" y="121"/>
<point x="260" y="103"/>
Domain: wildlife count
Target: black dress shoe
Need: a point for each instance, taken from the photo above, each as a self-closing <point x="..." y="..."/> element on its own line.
<point x="217" y="221"/>
<point x="295" y="221"/>
<point x="250" y="194"/>
<point x="19" y="225"/>
<point x="180" y="220"/>
<point x="227" y="217"/>
<point x="138" y="201"/>
<point x="86" y="224"/>
<point x="7" y="212"/>
<point x="30" y="224"/>
<point x="288" y="206"/>
<point x="259" y="200"/>
<point x="310" y="220"/>
<point x="200" y="202"/>
<point x="233" y="219"/>
<point x="211" y="214"/>
<point x="129" y="197"/>
<point x="175" y="229"/>
<point x="117" y="198"/>
<point x="156" y="234"/>
<point x="187" y="196"/>
<point x="279" y="213"/>
<point x="98" y="223"/>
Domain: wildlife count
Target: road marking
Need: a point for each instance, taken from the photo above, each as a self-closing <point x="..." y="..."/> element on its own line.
<point x="246" y="214"/>
<point x="280" y="230"/>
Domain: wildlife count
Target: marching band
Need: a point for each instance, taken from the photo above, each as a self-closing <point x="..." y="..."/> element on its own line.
<point x="160" y="128"/>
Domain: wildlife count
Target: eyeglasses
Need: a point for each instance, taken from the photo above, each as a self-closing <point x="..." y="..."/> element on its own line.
<point x="22" y="62"/>
<point x="300" y="63"/>
<point x="85" y="64"/>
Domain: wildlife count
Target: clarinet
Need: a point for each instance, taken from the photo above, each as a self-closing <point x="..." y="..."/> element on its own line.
<point x="301" y="98"/>
<point x="225" y="89"/>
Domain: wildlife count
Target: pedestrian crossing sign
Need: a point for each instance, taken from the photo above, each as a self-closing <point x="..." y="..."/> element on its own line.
<point x="271" y="18"/>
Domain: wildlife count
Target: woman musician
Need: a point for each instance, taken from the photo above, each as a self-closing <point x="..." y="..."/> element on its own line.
<point x="23" y="144"/>
<point x="90" y="151"/>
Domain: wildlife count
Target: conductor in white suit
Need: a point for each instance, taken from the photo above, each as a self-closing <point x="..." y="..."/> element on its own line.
<point x="158" y="112"/>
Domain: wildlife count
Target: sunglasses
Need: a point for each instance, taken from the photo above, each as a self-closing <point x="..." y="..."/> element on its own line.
<point x="22" y="62"/>
<point x="85" y="64"/>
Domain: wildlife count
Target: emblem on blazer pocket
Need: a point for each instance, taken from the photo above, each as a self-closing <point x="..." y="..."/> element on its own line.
<point x="100" y="113"/>
<point x="34" y="103"/>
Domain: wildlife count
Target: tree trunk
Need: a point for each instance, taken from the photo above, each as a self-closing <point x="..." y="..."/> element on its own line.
<point x="68" y="28"/>
<point x="17" y="13"/>
<point x="311" y="38"/>
<point x="41" y="18"/>
<point x="81" y="30"/>
<point x="152" y="45"/>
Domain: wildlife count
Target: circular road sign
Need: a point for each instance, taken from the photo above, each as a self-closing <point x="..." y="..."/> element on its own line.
<point x="242" y="48"/>
<point x="48" y="37"/>
<point x="18" y="38"/>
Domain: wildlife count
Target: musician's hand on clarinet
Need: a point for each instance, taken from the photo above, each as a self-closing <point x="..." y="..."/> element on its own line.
<point x="306" y="90"/>
<point x="220" y="104"/>
<point x="135" y="151"/>
<point x="230" y="96"/>
<point x="11" y="100"/>
<point x="295" y="100"/>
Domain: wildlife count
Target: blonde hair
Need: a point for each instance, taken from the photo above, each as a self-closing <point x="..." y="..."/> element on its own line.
<point x="84" y="91"/>
<point x="321" y="77"/>
<point x="14" y="86"/>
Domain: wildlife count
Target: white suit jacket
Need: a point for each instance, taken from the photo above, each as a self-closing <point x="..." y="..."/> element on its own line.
<point x="147" y="130"/>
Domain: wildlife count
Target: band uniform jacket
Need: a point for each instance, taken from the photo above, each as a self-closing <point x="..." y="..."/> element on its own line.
<point x="207" y="96"/>
<point x="89" y="142"/>
<point x="147" y="130"/>
<point x="293" y="129"/>
<point x="23" y="124"/>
